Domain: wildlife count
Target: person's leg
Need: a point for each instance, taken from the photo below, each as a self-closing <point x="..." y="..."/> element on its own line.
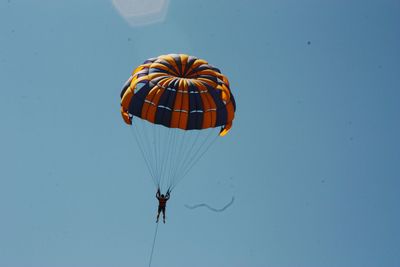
<point x="158" y="213"/>
<point x="163" y="213"/>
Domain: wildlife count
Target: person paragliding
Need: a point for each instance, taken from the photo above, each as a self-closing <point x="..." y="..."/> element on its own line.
<point x="177" y="105"/>
<point x="162" y="203"/>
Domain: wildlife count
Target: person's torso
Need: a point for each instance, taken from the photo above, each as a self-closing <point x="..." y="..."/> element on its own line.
<point x="162" y="202"/>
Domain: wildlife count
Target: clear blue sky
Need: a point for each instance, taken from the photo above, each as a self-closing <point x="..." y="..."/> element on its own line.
<point x="312" y="159"/>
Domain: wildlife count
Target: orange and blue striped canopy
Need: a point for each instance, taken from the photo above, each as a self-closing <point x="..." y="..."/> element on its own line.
<point x="179" y="91"/>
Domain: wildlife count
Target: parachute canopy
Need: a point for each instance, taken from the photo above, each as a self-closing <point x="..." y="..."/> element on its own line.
<point x="179" y="91"/>
<point x="176" y="104"/>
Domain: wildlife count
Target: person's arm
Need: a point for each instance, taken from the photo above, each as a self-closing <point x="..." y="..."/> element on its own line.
<point x="158" y="193"/>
